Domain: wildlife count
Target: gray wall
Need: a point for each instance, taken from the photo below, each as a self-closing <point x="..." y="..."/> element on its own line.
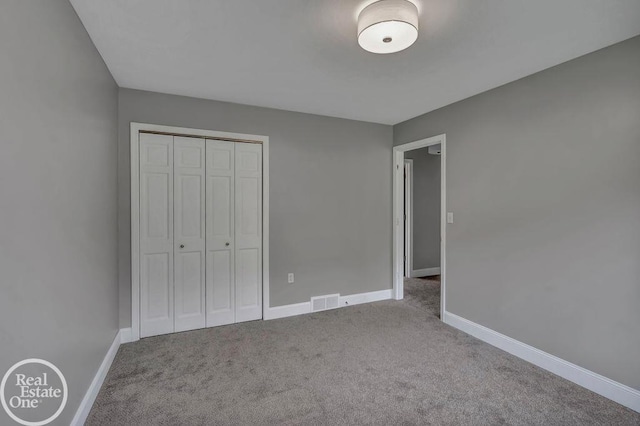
<point x="426" y="208"/>
<point x="543" y="176"/>
<point x="330" y="193"/>
<point x="58" y="242"/>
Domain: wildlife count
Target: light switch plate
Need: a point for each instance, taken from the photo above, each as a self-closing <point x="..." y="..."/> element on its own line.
<point x="290" y="278"/>
<point x="450" y="217"/>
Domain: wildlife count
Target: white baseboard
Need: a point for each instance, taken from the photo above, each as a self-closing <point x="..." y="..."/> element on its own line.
<point x="287" y="310"/>
<point x="305" y="307"/>
<point x="601" y="385"/>
<point x="126" y="335"/>
<point x="356" y="299"/>
<point x="426" y="272"/>
<point x="90" y="396"/>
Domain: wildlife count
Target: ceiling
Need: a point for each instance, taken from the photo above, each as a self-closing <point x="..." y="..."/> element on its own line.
<point x="303" y="55"/>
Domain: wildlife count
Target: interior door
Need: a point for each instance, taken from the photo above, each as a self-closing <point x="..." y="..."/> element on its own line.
<point x="408" y="217"/>
<point x="156" y="234"/>
<point x="200" y="233"/>
<point x="248" y="231"/>
<point x="220" y="240"/>
<point x="189" y="232"/>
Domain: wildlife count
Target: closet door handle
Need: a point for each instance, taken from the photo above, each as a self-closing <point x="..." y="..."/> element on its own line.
<point x="181" y="245"/>
<point x="227" y="244"/>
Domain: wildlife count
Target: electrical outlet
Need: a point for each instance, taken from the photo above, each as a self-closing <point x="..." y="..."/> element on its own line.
<point x="290" y="278"/>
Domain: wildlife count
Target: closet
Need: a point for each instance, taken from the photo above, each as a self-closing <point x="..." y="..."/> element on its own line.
<point x="200" y="233"/>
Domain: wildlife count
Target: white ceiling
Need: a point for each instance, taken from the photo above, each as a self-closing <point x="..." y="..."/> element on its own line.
<point x="302" y="55"/>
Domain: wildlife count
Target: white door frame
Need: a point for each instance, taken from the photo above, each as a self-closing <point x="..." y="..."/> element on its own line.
<point x="398" y="212"/>
<point x="408" y="217"/>
<point x="136" y="128"/>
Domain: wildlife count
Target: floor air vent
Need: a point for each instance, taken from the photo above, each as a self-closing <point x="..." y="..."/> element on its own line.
<point x="322" y="303"/>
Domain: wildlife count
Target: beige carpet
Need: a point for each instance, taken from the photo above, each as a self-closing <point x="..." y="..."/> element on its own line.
<point x="384" y="363"/>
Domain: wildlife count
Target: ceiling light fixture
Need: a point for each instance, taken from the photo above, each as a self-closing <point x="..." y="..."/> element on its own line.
<point x="388" y="26"/>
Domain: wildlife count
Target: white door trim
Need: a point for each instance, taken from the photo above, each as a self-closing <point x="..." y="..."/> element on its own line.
<point x="408" y="217"/>
<point x="136" y="128"/>
<point x="398" y="212"/>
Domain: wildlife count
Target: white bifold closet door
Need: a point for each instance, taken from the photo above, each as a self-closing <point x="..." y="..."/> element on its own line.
<point x="189" y="232"/>
<point x="200" y="233"/>
<point x="234" y="232"/>
<point x="248" y="231"/>
<point x="220" y="233"/>
<point x="156" y="234"/>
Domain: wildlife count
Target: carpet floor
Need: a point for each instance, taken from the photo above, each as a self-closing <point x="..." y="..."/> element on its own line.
<point x="423" y="293"/>
<point x="390" y="362"/>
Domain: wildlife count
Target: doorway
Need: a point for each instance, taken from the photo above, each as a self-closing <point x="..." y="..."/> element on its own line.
<point x="402" y="240"/>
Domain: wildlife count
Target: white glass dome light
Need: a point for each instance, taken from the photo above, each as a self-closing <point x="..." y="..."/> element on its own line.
<point x="388" y="26"/>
